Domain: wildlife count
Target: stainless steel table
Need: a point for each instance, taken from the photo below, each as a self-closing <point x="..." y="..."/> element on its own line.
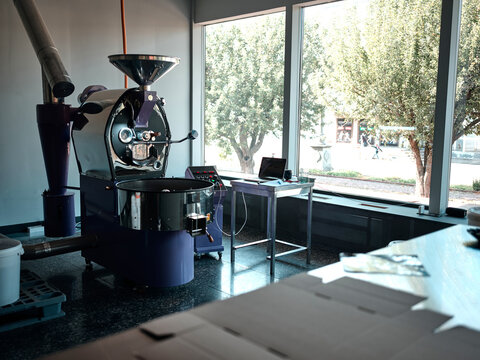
<point x="453" y="286"/>
<point x="272" y="190"/>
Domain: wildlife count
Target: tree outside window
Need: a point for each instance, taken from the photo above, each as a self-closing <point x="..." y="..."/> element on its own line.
<point x="380" y="62"/>
<point x="244" y="75"/>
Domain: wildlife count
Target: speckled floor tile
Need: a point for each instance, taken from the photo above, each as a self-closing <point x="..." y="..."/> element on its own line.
<point x="100" y="303"/>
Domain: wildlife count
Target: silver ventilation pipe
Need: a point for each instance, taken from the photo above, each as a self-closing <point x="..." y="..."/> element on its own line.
<point x="52" y="67"/>
<point x="58" y="247"/>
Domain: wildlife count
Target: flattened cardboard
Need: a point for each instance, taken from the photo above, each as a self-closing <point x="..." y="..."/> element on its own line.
<point x="172" y="325"/>
<point x="205" y="342"/>
<point x="461" y="334"/>
<point x="363" y="299"/>
<point x="119" y="346"/>
<point x="224" y="345"/>
<point x="290" y="321"/>
<point x="380" y="291"/>
<point x="457" y="343"/>
<point x="348" y="319"/>
<point x="302" y="281"/>
<point x="391" y="336"/>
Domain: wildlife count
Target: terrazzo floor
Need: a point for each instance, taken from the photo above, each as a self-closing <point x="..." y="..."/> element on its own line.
<point x="99" y="303"/>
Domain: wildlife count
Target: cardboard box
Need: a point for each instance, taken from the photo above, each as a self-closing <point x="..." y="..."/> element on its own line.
<point x="299" y="318"/>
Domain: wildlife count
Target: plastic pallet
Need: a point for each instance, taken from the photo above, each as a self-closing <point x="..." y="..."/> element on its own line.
<point x="38" y="302"/>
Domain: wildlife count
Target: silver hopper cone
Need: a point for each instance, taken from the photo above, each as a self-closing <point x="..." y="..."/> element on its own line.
<point x="144" y="69"/>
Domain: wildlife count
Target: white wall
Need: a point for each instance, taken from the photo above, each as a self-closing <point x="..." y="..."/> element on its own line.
<point x="85" y="33"/>
<point x="206" y="11"/>
<point x="210" y="10"/>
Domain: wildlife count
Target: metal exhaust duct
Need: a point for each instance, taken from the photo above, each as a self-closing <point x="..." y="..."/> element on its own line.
<point x="47" y="53"/>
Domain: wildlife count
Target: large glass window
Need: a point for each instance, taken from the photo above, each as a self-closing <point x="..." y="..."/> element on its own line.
<point x="465" y="165"/>
<point x="369" y="71"/>
<point x="244" y="92"/>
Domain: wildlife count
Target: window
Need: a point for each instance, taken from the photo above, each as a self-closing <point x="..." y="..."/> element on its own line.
<point x="368" y="97"/>
<point x="465" y="165"/>
<point x="244" y="67"/>
<point x="369" y="71"/>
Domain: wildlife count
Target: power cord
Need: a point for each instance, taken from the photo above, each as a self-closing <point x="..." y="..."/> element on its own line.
<point x="246" y="215"/>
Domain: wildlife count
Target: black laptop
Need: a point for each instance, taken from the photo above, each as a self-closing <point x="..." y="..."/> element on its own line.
<point x="270" y="169"/>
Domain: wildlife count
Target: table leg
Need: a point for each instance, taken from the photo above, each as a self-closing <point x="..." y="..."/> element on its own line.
<point x="268" y="224"/>
<point x="309" y="226"/>
<point x="272" y="218"/>
<point x="232" y="227"/>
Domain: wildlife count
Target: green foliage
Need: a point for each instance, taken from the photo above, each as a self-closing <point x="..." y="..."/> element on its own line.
<point x="383" y="64"/>
<point x="476" y="185"/>
<point x="244" y="79"/>
<point x="356" y="174"/>
<point x="376" y="62"/>
<point x="351" y="174"/>
<point x="313" y="76"/>
<point x="467" y="104"/>
<point x="394" y="179"/>
<point x="244" y="84"/>
<point x="461" y="187"/>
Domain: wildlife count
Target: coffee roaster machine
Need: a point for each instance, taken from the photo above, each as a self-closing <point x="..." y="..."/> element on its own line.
<point x="145" y="222"/>
<point x="134" y="221"/>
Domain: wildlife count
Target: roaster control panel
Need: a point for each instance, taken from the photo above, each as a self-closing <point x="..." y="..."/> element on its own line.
<point x="206" y="173"/>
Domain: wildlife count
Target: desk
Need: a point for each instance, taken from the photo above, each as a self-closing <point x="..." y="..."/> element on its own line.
<point x="272" y="191"/>
<point x="453" y="286"/>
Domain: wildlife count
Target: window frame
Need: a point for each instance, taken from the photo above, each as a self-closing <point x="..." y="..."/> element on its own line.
<point x="445" y="96"/>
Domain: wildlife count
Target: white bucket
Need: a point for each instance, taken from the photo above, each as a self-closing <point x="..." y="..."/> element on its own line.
<point x="10" y="252"/>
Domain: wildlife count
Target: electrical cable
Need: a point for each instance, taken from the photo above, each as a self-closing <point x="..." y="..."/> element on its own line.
<point x="246" y="215"/>
<point x="124" y="35"/>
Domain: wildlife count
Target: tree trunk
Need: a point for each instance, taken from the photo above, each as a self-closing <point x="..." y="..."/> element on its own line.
<point x="424" y="167"/>
<point x="247" y="164"/>
<point x="246" y="149"/>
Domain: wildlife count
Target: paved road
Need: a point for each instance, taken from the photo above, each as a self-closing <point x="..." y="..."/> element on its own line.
<point x="395" y="162"/>
<point x="392" y="191"/>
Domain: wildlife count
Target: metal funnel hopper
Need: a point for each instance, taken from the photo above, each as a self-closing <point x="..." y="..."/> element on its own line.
<point x="144" y="69"/>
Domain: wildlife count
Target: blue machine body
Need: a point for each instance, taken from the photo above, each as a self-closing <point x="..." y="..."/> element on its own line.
<point x="153" y="258"/>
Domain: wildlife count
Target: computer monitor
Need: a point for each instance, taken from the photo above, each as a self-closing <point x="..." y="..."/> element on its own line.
<point x="272" y="168"/>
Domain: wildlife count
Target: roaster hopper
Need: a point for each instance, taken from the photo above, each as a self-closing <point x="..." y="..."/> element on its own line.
<point x="144" y="222"/>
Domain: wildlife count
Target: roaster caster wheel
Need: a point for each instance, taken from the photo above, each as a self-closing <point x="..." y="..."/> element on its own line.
<point x="88" y="265"/>
<point x="220" y="255"/>
<point x="198" y="256"/>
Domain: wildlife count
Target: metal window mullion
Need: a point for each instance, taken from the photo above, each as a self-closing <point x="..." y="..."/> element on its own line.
<point x="197" y="148"/>
<point x="292" y="86"/>
<point x="445" y="105"/>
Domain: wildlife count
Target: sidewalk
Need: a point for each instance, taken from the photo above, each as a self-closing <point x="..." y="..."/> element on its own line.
<point x="399" y="192"/>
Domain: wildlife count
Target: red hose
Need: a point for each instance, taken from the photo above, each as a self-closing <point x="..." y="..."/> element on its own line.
<point x="124" y="35"/>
